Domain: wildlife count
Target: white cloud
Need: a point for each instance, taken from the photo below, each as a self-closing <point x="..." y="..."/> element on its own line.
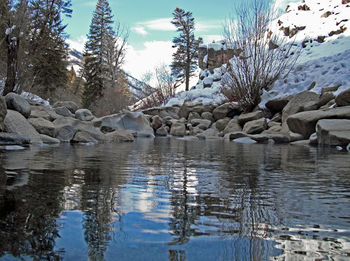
<point x="139" y="30"/>
<point x="78" y="43"/>
<point x="153" y="54"/>
<point x="161" y="24"/>
<point x="205" y="26"/>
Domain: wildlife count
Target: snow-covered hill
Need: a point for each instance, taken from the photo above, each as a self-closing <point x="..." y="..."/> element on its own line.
<point x="322" y="27"/>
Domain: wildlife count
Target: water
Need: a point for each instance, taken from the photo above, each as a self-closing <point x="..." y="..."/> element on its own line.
<point x="168" y="199"/>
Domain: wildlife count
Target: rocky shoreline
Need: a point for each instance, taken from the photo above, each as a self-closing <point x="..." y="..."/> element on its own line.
<point x="306" y="118"/>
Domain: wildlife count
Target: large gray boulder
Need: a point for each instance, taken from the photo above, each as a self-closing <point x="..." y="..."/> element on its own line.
<point x="209" y="134"/>
<point x="44" y="112"/>
<point x="222" y="123"/>
<point x="300" y="102"/>
<point x="13" y="139"/>
<point x="226" y="110"/>
<point x="255" y="127"/>
<point x="134" y="121"/>
<point x="43" y="126"/>
<point x="3" y="112"/>
<point x="83" y="137"/>
<point x="71" y="106"/>
<point x="343" y="98"/>
<point x="157" y="122"/>
<point x="178" y="129"/>
<point x="49" y="140"/>
<point x="232" y="126"/>
<point x="245" y="117"/>
<point x="207" y="116"/>
<point x="17" y="103"/>
<point x="16" y="123"/>
<point x="162" y="131"/>
<point x="305" y="122"/>
<point x="66" y="128"/>
<point x="121" y="136"/>
<point x="84" y="115"/>
<point x="201" y="123"/>
<point x="333" y="132"/>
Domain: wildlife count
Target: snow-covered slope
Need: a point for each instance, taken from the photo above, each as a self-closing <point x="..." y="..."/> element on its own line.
<point x="322" y="27"/>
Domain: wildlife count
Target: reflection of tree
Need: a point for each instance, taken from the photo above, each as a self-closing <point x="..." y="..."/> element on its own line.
<point x="96" y="204"/>
<point x="28" y="218"/>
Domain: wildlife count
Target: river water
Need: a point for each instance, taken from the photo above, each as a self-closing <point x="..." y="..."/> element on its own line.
<point x="168" y="199"/>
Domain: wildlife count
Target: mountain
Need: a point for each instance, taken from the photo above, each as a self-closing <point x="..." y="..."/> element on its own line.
<point x="321" y="28"/>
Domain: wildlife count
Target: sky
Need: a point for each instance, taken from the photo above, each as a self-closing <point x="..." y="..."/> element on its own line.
<point x="150" y="30"/>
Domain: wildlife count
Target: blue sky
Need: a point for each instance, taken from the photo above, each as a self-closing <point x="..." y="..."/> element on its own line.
<point x="151" y="33"/>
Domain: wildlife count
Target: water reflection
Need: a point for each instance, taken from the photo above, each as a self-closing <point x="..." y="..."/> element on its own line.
<point x="176" y="200"/>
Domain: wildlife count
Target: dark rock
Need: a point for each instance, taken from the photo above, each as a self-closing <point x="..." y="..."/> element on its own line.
<point x="13" y="139"/>
<point x="193" y="115"/>
<point x="226" y="110"/>
<point x="343" y="98"/>
<point x="245" y="117"/>
<point x="63" y="111"/>
<point x="255" y="127"/>
<point x="83" y="137"/>
<point x="49" y="140"/>
<point x="222" y="123"/>
<point x="207" y="116"/>
<point x="178" y="129"/>
<point x="325" y="98"/>
<point x="3" y="112"/>
<point x="277" y="105"/>
<point x="162" y="131"/>
<point x="17" y="103"/>
<point x="157" y="122"/>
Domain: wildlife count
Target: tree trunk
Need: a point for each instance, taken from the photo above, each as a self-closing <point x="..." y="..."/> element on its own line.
<point x="12" y="61"/>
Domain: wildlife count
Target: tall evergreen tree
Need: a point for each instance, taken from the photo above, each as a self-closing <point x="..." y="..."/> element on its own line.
<point x="47" y="45"/>
<point x="186" y="56"/>
<point x="95" y="70"/>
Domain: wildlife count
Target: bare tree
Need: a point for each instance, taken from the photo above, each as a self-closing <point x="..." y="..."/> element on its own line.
<point x="261" y="56"/>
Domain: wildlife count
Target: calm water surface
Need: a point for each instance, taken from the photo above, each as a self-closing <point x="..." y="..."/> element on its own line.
<point x="168" y="199"/>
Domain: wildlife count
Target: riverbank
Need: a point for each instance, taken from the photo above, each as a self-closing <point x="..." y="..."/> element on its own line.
<point x="305" y="118"/>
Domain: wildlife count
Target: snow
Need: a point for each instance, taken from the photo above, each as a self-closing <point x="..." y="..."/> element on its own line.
<point x="327" y="64"/>
<point x="35" y="98"/>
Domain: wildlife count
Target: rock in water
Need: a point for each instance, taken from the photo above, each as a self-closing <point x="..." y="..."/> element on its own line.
<point x="17" y="103"/>
<point x="16" y="123"/>
<point x="333" y="132"/>
<point x="134" y="121"/>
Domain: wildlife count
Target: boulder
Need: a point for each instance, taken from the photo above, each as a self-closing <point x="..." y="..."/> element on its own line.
<point x="178" y="129"/>
<point x="16" y="123"/>
<point x="63" y="111"/>
<point x="305" y="122"/>
<point x="17" y="103"/>
<point x="196" y="130"/>
<point x="207" y="116"/>
<point x="245" y="117"/>
<point x="49" y="140"/>
<point x="273" y="129"/>
<point x="201" y="123"/>
<point x="313" y="139"/>
<point x="343" y="98"/>
<point x="211" y="133"/>
<point x="71" y="106"/>
<point x="277" y="138"/>
<point x="226" y="110"/>
<point x="232" y="126"/>
<point x="66" y="128"/>
<point x="43" y="126"/>
<point x="277" y="105"/>
<point x="162" y="131"/>
<point x="235" y="135"/>
<point x="222" y="123"/>
<point x="84" y="115"/>
<point x="121" y="136"/>
<point x="134" y="121"/>
<point x="277" y="117"/>
<point x="203" y="108"/>
<point x="13" y="139"/>
<point x="333" y="132"/>
<point x="157" y="122"/>
<point x="44" y="112"/>
<point x="255" y="127"/>
<point x="3" y="112"/>
<point x="83" y="137"/>
<point x="325" y="98"/>
<point x="299" y="103"/>
<point x="164" y="112"/>
<point x="193" y="115"/>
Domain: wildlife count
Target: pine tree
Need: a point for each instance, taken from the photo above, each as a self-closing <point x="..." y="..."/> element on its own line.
<point x="47" y="45"/>
<point x="95" y="70"/>
<point x="186" y="56"/>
